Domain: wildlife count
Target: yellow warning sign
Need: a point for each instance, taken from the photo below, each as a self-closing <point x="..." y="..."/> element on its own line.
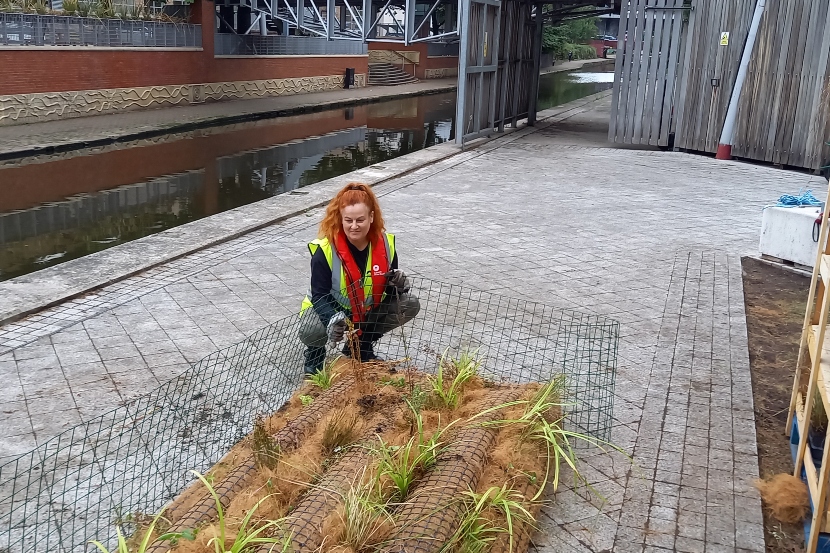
<point x="724" y="39"/>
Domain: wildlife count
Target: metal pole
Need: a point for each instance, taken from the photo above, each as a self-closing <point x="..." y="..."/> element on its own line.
<point x="367" y="18"/>
<point x="409" y="21"/>
<point x="537" y="63"/>
<point x="330" y="21"/>
<point x="463" y="54"/>
<point x="263" y="24"/>
<point x="727" y="137"/>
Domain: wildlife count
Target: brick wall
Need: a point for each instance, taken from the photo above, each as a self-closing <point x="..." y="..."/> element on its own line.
<point x="32" y="70"/>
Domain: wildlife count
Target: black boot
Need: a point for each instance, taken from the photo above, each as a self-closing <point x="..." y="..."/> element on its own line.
<point x="314" y="358"/>
<point x="367" y="352"/>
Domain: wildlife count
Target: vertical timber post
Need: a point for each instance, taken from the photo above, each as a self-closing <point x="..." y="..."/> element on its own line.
<point x="537" y="66"/>
<point x="463" y="57"/>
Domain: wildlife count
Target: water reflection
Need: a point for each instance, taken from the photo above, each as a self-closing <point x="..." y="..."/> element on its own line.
<point x="556" y="89"/>
<point x="57" y="208"/>
<point x="588" y="77"/>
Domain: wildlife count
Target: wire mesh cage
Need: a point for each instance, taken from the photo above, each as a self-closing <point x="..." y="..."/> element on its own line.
<point x="117" y="469"/>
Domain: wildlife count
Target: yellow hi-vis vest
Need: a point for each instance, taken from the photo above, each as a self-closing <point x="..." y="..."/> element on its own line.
<point x="338" y="273"/>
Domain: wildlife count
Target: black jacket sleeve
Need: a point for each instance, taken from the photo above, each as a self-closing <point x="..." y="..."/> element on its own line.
<point x="390" y="290"/>
<point x="324" y="303"/>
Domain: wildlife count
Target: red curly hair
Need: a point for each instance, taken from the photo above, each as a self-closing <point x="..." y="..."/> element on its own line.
<point x="353" y="193"/>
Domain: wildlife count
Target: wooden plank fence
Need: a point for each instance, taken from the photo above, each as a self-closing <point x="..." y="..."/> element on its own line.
<point x="646" y="70"/>
<point x="702" y="102"/>
<point x="673" y="75"/>
<point x="786" y="118"/>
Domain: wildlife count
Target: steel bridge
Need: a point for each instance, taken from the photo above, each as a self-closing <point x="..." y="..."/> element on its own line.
<point x="500" y="41"/>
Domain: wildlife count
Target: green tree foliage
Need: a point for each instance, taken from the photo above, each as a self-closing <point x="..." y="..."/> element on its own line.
<point x="570" y="36"/>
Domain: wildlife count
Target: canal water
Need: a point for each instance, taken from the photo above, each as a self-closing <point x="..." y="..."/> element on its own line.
<point x="60" y="207"/>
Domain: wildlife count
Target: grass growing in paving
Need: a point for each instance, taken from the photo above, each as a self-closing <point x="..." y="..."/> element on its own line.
<point x="342" y="485"/>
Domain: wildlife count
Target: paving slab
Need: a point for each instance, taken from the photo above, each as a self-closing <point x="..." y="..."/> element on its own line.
<point x="647" y="237"/>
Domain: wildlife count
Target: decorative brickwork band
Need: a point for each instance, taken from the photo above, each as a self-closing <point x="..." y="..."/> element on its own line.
<point x="48" y="106"/>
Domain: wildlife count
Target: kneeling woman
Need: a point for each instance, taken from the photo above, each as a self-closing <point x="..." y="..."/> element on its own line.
<point x="355" y="275"/>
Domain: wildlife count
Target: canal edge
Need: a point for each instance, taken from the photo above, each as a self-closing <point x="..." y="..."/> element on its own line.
<point x="31" y="294"/>
<point x="216" y="121"/>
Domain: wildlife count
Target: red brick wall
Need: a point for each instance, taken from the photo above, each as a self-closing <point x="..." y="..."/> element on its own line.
<point x="249" y="69"/>
<point x="32" y="70"/>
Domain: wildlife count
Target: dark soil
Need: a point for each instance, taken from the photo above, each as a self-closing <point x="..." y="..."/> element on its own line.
<point x="775" y="302"/>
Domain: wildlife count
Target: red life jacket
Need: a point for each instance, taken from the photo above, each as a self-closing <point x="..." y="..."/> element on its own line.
<point x="354" y="274"/>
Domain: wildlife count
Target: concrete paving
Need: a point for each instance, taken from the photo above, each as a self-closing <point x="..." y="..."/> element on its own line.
<point x="652" y="239"/>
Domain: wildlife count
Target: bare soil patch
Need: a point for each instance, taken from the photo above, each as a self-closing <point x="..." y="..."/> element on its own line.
<point x="775" y="301"/>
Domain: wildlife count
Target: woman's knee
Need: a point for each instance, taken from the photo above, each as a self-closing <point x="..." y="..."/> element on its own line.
<point x="312" y="332"/>
<point x="409" y="308"/>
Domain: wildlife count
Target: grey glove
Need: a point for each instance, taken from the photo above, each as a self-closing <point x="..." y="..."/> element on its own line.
<point x="336" y="327"/>
<point x="397" y="278"/>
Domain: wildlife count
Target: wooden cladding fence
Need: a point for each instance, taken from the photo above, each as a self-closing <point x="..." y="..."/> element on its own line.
<point x="683" y="83"/>
<point x="784" y="115"/>
<point x="646" y="69"/>
<point x="702" y="102"/>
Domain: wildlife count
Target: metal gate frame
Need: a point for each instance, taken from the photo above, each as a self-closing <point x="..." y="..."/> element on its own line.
<point x="478" y="68"/>
<point x="498" y="66"/>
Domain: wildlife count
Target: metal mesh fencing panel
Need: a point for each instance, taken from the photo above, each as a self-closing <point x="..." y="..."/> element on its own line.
<point x="22" y="29"/>
<point x="226" y="44"/>
<point x="129" y="463"/>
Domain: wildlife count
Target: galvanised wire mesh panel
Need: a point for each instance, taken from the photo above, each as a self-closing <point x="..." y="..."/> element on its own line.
<point x="23" y="29"/>
<point x="127" y="464"/>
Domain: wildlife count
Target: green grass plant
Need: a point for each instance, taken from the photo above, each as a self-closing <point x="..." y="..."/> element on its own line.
<point x="477" y="529"/>
<point x="265" y="447"/>
<point x="396" y="382"/>
<point x="246" y="537"/>
<point x="146" y="540"/>
<point x="404" y="464"/>
<point x="365" y="514"/>
<point x="538" y="424"/>
<point x="449" y="379"/>
<point x="341" y="430"/>
<point x="325" y="377"/>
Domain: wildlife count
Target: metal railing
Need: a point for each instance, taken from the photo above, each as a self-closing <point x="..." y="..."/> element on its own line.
<point x="23" y="29"/>
<point x="281" y="45"/>
<point x="442" y="49"/>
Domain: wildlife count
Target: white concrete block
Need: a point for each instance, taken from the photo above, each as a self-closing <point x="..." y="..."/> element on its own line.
<point x="787" y="232"/>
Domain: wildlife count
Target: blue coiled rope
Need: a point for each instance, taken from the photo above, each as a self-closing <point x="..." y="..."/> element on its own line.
<point x="805" y="198"/>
